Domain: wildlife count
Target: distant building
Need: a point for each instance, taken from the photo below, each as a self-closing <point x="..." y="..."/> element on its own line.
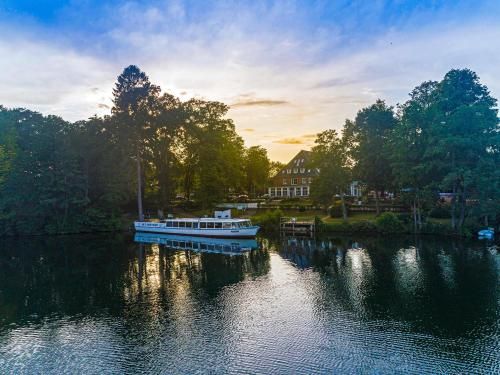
<point x="356" y="189"/>
<point x="295" y="179"/>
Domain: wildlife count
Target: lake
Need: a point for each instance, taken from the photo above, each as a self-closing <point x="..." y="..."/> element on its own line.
<point x="100" y="304"/>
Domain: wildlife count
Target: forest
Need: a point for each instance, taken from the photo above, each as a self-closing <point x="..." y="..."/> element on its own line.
<point x="62" y="177"/>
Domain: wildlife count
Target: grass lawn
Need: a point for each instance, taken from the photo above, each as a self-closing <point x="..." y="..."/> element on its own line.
<point x="353" y="218"/>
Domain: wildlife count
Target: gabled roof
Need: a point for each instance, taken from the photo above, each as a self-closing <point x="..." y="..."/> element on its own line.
<point x="301" y="160"/>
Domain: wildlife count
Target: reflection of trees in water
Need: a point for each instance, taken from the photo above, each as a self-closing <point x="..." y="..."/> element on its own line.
<point x="41" y="276"/>
<point x="445" y="286"/>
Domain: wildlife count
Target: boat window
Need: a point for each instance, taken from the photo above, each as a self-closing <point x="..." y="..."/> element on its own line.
<point x="235" y="225"/>
<point x="203" y="225"/>
<point x="226" y="225"/>
<point x="182" y="224"/>
<point x="195" y="225"/>
<point x="175" y="224"/>
<point x="203" y="246"/>
<point x="169" y="224"/>
<point x="210" y="225"/>
<point x="218" y="225"/>
<point x="189" y="225"/>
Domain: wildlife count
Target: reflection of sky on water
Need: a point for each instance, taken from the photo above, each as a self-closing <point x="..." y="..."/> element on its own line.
<point x="297" y="306"/>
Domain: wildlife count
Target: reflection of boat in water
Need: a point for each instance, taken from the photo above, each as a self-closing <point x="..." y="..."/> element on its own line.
<point x="194" y="243"/>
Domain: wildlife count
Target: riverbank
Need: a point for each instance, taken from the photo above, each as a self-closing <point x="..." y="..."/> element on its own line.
<point x="366" y="223"/>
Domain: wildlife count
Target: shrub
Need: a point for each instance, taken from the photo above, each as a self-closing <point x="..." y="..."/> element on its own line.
<point x="440" y="212"/>
<point x="335" y="210"/>
<point x="302" y="208"/>
<point x="364" y="227"/>
<point x="430" y="227"/>
<point x="337" y="227"/>
<point x="389" y="223"/>
<point x="268" y="221"/>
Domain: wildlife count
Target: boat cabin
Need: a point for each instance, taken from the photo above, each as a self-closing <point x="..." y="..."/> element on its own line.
<point x="207" y="223"/>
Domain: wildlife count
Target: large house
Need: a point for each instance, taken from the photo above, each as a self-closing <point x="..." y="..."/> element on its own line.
<point x="295" y="179"/>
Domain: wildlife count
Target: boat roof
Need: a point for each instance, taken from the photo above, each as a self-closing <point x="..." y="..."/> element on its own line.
<point x="207" y="219"/>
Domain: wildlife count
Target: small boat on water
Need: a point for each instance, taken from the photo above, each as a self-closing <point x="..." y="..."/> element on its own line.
<point x="228" y="246"/>
<point x="486" y="234"/>
<point x="220" y="226"/>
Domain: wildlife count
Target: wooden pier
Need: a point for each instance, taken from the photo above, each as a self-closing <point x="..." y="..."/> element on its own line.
<point x="292" y="225"/>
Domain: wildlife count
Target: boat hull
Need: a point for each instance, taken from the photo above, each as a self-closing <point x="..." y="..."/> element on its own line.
<point x="151" y="227"/>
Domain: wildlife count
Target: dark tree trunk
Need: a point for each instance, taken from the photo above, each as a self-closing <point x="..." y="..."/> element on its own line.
<point x="344" y="208"/>
<point x="454" y="207"/>
<point x="139" y="187"/>
<point x="462" y="201"/>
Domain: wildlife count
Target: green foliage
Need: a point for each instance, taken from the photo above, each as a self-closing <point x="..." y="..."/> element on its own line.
<point x="439" y="212"/>
<point x="269" y="221"/>
<point x="335" y="210"/>
<point x="257" y="168"/>
<point x="367" y="139"/>
<point x="388" y="222"/>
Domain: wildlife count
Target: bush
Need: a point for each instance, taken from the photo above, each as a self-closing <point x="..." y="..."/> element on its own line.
<point x="268" y="221"/>
<point x="430" y="227"/>
<point x="389" y="223"/>
<point x="302" y="208"/>
<point x="337" y="227"/>
<point x="335" y="210"/>
<point x="364" y="227"/>
<point x="440" y="212"/>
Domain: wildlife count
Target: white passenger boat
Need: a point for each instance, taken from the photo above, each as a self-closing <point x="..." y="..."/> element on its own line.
<point x="229" y="246"/>
<point x="205" y="227"/>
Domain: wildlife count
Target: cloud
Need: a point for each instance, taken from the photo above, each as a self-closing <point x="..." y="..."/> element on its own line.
<point x="301" y="69"/>
<point x="258" y="102"/>
<point x="302" y="140"/>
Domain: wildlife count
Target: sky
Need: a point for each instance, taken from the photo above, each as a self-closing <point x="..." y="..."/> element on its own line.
<point x="287" y="69"/>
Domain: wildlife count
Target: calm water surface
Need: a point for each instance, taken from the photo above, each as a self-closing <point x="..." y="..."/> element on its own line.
<point x="106" y="304"/>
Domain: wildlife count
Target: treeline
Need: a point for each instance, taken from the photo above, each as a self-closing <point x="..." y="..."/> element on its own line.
<point x="60" y="177"/>
<point x="445" y="138"/>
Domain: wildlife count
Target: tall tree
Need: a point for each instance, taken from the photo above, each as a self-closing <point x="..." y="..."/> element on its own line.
<point x="408" y="145"/>
<point x="367" y="138"/>
<point x="257" y="170"/>
<point x="330" y="156"/>
<point x="133" y="97"/>
<point x="464" y="133"/>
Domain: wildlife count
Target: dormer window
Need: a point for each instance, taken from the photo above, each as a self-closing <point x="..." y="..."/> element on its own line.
<point x="302" y="170"/>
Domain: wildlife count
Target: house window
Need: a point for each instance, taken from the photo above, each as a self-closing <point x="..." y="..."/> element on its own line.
<point x="308" y="171"/>
<point x="304" y="180"/>
<point x="288" y="171"/>
<point x="310" y="180"/>
<point x="305" y="191"/>
<point x="302" y="170"/>
<point x="285" y="192"/>
<point x="284" y="181"/>
<point x="295" y="181"/>
<point x="272" y="192"/>
<point x="295" y="170"/>
<point x="297" y="192"/>
<point x="278" y="192"/>
<point x="283" y="171"/>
